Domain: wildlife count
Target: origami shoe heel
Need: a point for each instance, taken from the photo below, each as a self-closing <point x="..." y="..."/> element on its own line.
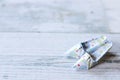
<point x="88" y="60"/>
<point x="98" y="54"/>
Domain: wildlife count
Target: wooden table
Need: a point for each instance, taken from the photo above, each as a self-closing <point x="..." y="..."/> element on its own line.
<point x="40" y="56"/>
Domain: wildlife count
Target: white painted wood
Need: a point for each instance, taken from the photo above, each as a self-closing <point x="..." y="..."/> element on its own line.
<point x="27" y="43"/>
<point x="52" y="16"/>
<point x="44" y="67"/>
<point x="112" y="9"/>
<point x="40" y="56"/>
<point x="60" y="16"/>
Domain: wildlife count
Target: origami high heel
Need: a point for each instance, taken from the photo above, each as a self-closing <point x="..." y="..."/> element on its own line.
<point x="89" y="52"/>
<point x="79" y="49"/>
<point x="88" y="60"/>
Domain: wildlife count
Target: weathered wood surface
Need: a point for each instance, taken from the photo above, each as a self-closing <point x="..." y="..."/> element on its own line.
<point x="53" y="16"/>
<point x="40" y="56"/>
<point x="65" y="15"/>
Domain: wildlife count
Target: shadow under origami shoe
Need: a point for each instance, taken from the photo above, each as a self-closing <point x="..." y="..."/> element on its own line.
<point x="89" y="52"/>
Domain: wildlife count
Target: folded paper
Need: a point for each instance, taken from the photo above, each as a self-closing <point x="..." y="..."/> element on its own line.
<point x="89" y="52"/>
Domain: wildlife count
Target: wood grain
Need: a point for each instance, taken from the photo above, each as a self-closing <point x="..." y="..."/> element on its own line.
<point x="52" y="16"/>
<point x="35" y="42"/>
<point x="40" y="56"/>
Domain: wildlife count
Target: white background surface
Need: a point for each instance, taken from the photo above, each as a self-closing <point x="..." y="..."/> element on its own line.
<point x="28" y="55"/>
<point x="59" y="16"/>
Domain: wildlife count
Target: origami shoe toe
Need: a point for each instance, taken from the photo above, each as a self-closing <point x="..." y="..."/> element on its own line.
<point x="75" y="52"/>
<point x="85" y="62"/>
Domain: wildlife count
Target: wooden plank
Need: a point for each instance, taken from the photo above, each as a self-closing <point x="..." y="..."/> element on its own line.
<point x="40" y="56"/>
<point x="52" y="16"/>
<point x="50" y="66"/>
<point x="29" y="43"/>
<point x="112" y="12"/>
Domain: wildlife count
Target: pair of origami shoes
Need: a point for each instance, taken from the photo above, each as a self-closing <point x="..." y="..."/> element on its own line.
<point x="89" y="52"/>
